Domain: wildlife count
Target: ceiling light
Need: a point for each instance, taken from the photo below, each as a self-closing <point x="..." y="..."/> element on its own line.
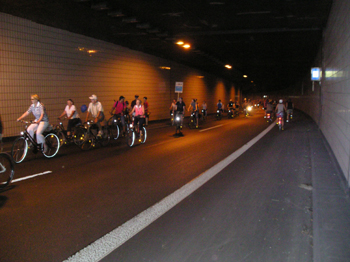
<point x="228" y="66"/>
<point x="186" y="46"/>
<point x="245" y="76"/>
<point x="165" y="67"/>
<point x="179" y="42"/>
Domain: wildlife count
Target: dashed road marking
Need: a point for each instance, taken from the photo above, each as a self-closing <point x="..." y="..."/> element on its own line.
<point x="203" y="130"/>
<point x="29" y="177"/>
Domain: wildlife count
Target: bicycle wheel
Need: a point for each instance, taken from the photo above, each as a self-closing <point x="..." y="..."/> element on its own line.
<point x="53" y="145"/>
<point x="78" y="135"/>
<point x="106" y="136"/>
<point x="7" y="169"/>
<point x="61" y="137"/>
<point x="19" y="149"/>
<point x="88" y="141"/>
<point x="130" y="137"/>
<point x="114" y="128"/>
<point x="143" y="135"/>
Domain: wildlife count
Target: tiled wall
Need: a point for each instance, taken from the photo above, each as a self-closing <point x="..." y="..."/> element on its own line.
<point x="329" y="105"/>
<point x="58" y="65"/>
<point x="335" y="123"/>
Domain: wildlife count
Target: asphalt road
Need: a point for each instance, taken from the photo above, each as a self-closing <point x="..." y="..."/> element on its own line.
<point x="88" y="194"/>
<point x="257" y="209"/>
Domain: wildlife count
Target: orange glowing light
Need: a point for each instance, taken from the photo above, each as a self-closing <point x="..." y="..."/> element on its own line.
<point x="186" y="46"/>
<point x="228" y="66"/>
<point x="179" y="42"/>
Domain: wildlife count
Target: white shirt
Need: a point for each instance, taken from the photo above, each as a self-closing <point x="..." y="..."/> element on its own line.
<point x="70" y="110"/>
<point x="95" y="108"/>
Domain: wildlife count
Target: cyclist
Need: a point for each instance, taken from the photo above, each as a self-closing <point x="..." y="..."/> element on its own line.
<point x="220" y="106"/>
<point x="269" y="108"/>
<point x="180" y="109"/>
<point x="96" y="110"/>
<point x="231" y="105"/>
<point x="139" y="112"/>
<point x="72" y="115"/>
<point x="290" y="107"/>
<point x="280" y="108"/>
<point x="133" y="102"/>
<point x="194" y="107"/>
<point x="118" y="110"/>
<point x="204" y="108"/>
<point x="41" y="121"/>
<point x="146" y="106"/>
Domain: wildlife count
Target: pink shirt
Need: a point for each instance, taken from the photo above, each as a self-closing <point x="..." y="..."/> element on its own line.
<point x="138" y="110"/>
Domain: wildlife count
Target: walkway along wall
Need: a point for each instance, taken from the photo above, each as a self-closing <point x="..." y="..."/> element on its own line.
<point x="329" y="103"/>
<point x="58" y="65"/>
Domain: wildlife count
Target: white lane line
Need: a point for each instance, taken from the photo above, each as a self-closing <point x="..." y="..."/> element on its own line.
<point x="28" y="177"/>
<point x="111" y="241"/>
<point x="203" y="130"/>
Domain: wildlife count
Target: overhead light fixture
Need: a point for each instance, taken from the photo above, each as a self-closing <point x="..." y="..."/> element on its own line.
<point x="245" y="76"/>
<point x="180" y="42"/>
<point x="165" y="67"/>
<point x="186" y="46"/>
<point x="228" y="66"/>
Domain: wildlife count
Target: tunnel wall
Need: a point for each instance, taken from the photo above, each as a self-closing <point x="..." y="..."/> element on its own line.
<point x="58" y="65"/>
<point x="329" y="103"/>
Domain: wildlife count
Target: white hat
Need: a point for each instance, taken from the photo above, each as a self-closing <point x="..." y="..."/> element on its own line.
<point x="94" y="97"/>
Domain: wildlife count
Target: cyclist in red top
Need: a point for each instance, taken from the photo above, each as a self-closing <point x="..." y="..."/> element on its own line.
<point x="118" y="110"/>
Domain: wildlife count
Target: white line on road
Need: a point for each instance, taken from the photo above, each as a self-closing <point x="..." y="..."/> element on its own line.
<point x="28" y="177"/>
<point x="209" y="128"/>
<point x="111" y="241"/>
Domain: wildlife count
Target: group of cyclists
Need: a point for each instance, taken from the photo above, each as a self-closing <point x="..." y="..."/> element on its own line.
<point x="178" y="109"/>
<point x="279" y="109"/>
<point x="137" y="110"/>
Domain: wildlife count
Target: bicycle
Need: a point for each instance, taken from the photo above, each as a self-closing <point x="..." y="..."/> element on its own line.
<point x="115" y="125"/>
<point x="218" y="114"/>
<point x="204" y="115"/>
<point x="178" y="123"/>
<point x="131" y="134"/>
<point x="20" y="145"/>
<point x="75" y="138"/>
<point x="7" y="170"/>
<point x="91" y="137"/>
<point x="193" y="120"/>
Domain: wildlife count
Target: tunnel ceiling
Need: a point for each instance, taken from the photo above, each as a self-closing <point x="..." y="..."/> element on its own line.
<point x="274" y="42"/>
